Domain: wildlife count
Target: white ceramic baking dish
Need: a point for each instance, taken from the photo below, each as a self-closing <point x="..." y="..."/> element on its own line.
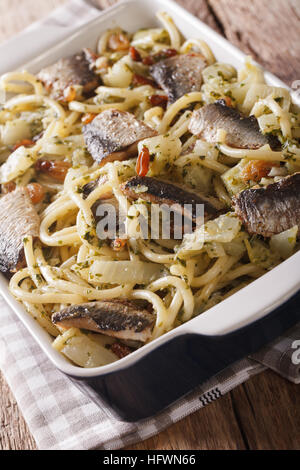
<point x="247" y="307"/>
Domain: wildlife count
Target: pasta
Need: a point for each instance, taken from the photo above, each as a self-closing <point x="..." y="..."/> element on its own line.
<point x="69" y="264"/>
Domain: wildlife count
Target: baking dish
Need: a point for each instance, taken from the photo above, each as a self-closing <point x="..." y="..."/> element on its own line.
<point x="151" y="378"/>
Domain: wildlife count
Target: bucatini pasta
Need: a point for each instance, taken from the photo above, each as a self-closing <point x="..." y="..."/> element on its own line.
<point x="43" y="147"/>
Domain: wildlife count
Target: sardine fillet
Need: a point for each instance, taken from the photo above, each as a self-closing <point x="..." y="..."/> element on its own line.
<point x="69" y="71"/>
<point x="241" y="132"/>
<point x="271" y="210"/>
<point x="118" y="318"/>
<point x="18" y="220"/>
<point x="113" y="132"/>
<point x="161" y="192"/>
<point x="179" y="75"/>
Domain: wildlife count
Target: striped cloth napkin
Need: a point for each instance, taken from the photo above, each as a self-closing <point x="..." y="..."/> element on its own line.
<point x="61" y="417"/>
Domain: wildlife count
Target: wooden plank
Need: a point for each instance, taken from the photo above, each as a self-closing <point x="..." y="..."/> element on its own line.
<point x="268" y="410"/>
<point x="267" y="30"/>
<point x="203" y="11"/>
<point x="212" y="428"/>
<point x="14" y="433"/>
<point x="262" y="414"/>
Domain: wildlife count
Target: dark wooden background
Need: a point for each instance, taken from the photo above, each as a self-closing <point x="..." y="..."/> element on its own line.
<point x="263" y="413"/>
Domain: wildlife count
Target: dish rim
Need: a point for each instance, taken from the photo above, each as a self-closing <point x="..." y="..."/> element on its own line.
<point x="202" y="323"/>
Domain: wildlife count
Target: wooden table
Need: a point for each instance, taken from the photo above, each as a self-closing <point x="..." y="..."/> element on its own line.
<point x="264" y="412"/>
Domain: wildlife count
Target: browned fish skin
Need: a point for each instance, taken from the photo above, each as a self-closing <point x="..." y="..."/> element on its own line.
<point x="18" y="220"/>
<point x="70" y="71"/>
<point x="118" y="318"/>
<point x="179" y="75"/>
<point x="242" y="132"/>
<point x="113" y="135"/>
<point x="271" y="210"/>
<point x="162" y="192"/>
<point x="90" y="187"/>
